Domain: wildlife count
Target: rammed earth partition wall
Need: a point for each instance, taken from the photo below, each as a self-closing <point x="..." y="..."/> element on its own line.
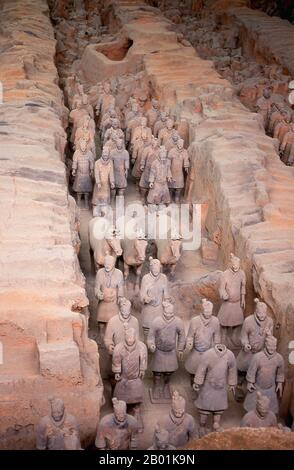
<point x="235" y="166"/>
<point x="41" y="285"/>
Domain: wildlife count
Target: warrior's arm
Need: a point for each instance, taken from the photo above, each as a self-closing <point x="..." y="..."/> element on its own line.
<point x="151" y="338"/>
<point x="232" y="371"/>
<point x="181" y="336"/>
<point x="190" y="335"/>
<point x="111" y="174"/>
<point x="252" y="370"/>
<point x="217" y="334"/>
<point x="98" y="286"/>
<point x="244" y="334"/>
<point x="116" y="360"/>
<point x="75" y="162"/>
<point x="186" y="160"/>
<point x="108" y="338"/>
<point x="280" y="372"/>
<point x="222" y="288"/>
<point x="41" y="435"/>
<point x="143" y="358"/>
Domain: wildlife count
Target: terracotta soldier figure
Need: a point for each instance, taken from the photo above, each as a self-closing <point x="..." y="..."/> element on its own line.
<point x="253" y="333"/>
<point x="114" y="131"/>
<point x="166" y="132"/>
<point x="216" y="370"/>
<point x="154" y="289"/>
<point x="129" y="363"/>
<point x="59" y="430"/>
<point x="104" y="178"/>
<point x="121" y="163"/>
<point x="107" y="119"/>
<point x="172" y="142"/>
<point x="179" y="162"/>
<point x="149" y="154"/>
<point x="83" y="172"/>
<point x="133" y="121"/>
<point x="86" y="132"/>
<point x="75" y="117"/>
<point x="203" y="334"/>
<point x="152" y="114"/>
<point x="265" y="374"/>
<point x="261" y="416"/>
<point x="140" y="146"/>
<point x="232" y="291"/>
<point x="138" y="131"/>
<point x="166" y="336"/>
<point x="118" y="430"/>
<point x="159" y="177"/>
<point x="160" y="123"/>
<point x="105" y="100"/>
<point x="77" y="96"/>
<point x="263" y="106"/>
<point x="287" y="144"/>
<point x="161" y="440"/>
<point x="109" y="287"/>
<point x="117" y="325"/>
<point x="180" y="425"/>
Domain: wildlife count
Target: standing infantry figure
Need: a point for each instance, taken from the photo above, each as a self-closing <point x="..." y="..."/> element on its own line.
<point x="105" y="100"/>
<point x="261" y="416"/>
<point x="265" y="374"/>
<point x="82" y="171"/>
<point x="253" y="334"/>
<point x="121" y="163"/>
<point x="109" y="287"/>
<point x="59" y="430"/>
<point x="166" y="336"/>
<point x="159" y="177"/>
<point x="129" y="363"/>
<point x="152" y="114"/>
<point x="180" y="425"/>
<point x="117" y="325"/>
<point x="118" y="430"/>
<point x="216" y="370"/>
<point x="104" y="177"/>
<point x="179" y="162"/>
<point x="203" y="334"/>
<point x="154" y="289"/>
<point x="232" y="292"/>
<point x="149" y="154"/>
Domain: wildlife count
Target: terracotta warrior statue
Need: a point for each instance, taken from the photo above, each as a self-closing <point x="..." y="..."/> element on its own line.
<point x="109" y="287"/>
<point x="86" y="131"/>
<point x="129" y="363"/>
<point x="149" y="154"/>
<point x="203" y="334"/>
<point x="232" y="292"/>
<point x="263" y="106"/>
<point x="161" y="440"/>
<point x="166" y="337"/>
<point x="83" y="172"/>
<point x="180" y="425"/>
<point x="253" y="333"/>
<point x="104" y="180"/>
<point x="159" y="177"/>
<point x="152" y="114"/>
<point x="117" y="325"/>
<point x="216" y="370"/>
<point x="118" y="430"/>
<point x="265" y="374"/>
<point x="114" y="131"/>
<point x="166" y="132"/>
<point x="172" y="142"/>
<point x="141" y="146"/>
<point x="121" y="164"/>
<point x="179" y="163"/>
<point x="160" y="123"/>
<point x="261" y="416"/>
<point x="59" y="430"/>
<point x="105" y="100"/>
<point x="154" y="289"/>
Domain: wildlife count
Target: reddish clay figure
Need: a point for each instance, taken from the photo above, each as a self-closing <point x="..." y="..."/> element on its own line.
<point x="216" y="370"/>
<point x="140" y="145"/>
<point x="166" y="337"/>
<point x="180" y="425"/>
<point x="114" y="131"/>
<point x="149" y="154"/>
<point x="105" y="100"/>
<point x="83" y="172"/>
<point x="261" y="416"/>
<point x="154" y="289"/>
<point x="152" y="114"/>
<point x="160" y="123"/>
<point x="169" y="251"/>
<point x="134" y="254"/>
<point x="121" y="164"/>
<point x="159" y="177"/>
<point x="129" y="363"/>
<point x="75" y="117"/>
<point x="179" y="163"/>
<point x="263" y="106"/>
<point x="166" y="132"/>
<point x="59" y="430"/>
<point x="266" y="375"/>
<point x="118" y="430"/>
<point x="109" y="287"/>
<point x="172" y="142"/>
<point x="117" y="325"/>
<point x="161" y="440"/>
<point x="232" y="291"/>
<point x="104" y="178"/>
<point x="203" y="334"/>
<point x="86" y="131"/>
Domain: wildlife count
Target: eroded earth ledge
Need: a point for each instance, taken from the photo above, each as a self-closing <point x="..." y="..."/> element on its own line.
<point x="45" y="351"/>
